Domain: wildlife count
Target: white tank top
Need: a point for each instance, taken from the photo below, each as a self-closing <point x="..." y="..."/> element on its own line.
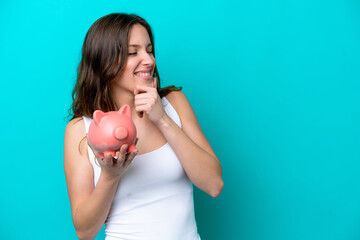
<point x="154" y="199"/>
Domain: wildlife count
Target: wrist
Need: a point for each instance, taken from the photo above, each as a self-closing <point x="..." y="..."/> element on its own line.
<point x="108" y="177"/>
<point x="163" y="123"/>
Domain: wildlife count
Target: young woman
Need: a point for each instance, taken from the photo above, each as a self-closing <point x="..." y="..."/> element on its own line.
<point x="146" y="194"/>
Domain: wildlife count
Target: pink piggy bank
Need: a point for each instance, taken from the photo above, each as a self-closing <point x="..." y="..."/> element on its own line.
<point x="108" y="131"/>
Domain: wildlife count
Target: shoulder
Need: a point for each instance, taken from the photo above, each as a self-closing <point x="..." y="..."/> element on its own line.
<point x="75" y="141"/>
<point x="75" y="129"/>
<point x="178" y="100"/>
<point x="183" y="107"/>
<point x="76" y="124"/>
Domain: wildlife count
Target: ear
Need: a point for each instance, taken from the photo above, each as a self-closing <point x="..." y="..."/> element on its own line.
<point x="125" y="109"/>
<point x="97" y="116"/>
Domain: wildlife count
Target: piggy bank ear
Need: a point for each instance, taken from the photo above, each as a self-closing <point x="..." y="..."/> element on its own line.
<point x="97" y="116"/>
<point x="120" y="133"/>
<point x="125" y="109"/>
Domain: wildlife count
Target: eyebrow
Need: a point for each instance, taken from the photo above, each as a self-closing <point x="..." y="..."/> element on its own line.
<point x="137" y="45"/>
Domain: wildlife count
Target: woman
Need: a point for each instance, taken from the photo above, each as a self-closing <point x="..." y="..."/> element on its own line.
<point x="146" y="194"/>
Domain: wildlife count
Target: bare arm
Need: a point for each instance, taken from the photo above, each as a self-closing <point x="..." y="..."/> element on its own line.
<point x="90" y="205"/>
<point x="191" y="146"/>
<point x="189" y="143"/>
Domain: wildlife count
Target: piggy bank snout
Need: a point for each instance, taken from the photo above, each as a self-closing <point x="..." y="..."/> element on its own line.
<point x="120" y="133"/>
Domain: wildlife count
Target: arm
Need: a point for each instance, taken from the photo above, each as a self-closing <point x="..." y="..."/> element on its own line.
<point x="189" y="143"/>
<point x="191" y="146"/>
<point x="89" y="205"/>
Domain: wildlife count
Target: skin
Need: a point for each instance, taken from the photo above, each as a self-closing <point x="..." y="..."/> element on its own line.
<point x="90" y="205"/>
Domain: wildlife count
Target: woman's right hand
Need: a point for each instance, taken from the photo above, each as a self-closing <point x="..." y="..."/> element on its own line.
<point x="115" y="166"/>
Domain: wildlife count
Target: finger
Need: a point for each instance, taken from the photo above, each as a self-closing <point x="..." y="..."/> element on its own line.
<point x="144" y="95"/>
<point x="140" y="114"/>
<point x="151" y="100"/>
<point x="108" y="159"/>
<point x="122" y="153"/>
<point x="149" y="104"/>
<point x="137" y="91"/>
<point x="142" y="108"/>
<point x="123" y="150"/>
<point x="142" y="91"/>
<point x="130" y="158"/>
<point x="117" y="155"/>
<point x="142" y="88"/>
<point x="107" y="156"/>
<point x="154" y="82"/>
<point x="142" y="101"/>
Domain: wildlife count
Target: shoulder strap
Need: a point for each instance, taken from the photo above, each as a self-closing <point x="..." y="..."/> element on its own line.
<point x="87" y="122"/>
<point x="171" y="112"/>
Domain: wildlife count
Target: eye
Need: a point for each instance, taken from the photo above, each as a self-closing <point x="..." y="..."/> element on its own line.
<point x="132" y="53"/>
<point x="151" y="52"/>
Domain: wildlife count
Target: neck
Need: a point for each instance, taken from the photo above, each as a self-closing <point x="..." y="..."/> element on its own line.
<point x="127" y="97"/>
<point x="122" y="97"/>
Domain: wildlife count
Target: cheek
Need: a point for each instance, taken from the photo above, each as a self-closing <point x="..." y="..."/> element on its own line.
<point x="129" y="69"/>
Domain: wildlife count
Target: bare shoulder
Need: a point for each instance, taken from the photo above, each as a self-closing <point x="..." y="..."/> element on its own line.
<point x="75" y="137"/>
<point x="75" y="126"/>
<point x="175" y="95"/>
<point x="183" y="107"/>
<point x="180" y="102"/>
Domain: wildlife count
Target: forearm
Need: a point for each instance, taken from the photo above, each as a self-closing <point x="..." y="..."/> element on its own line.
<point x="202" y="168"/>
<point x="91" y="215"/>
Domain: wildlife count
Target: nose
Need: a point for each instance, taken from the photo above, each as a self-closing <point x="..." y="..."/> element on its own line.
<point x="148" y="59"/>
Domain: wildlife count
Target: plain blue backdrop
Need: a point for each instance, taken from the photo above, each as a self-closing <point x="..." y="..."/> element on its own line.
<point x="275" y="86"/>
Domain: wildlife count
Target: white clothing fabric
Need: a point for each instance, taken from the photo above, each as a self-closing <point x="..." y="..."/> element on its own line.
<point x="154" y="199"/>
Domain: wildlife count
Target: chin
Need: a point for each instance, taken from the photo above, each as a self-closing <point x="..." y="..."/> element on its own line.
<point x="144" y="80"/>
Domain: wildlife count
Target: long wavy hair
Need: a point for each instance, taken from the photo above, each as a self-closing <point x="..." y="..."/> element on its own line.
<point x="104" y="55"/>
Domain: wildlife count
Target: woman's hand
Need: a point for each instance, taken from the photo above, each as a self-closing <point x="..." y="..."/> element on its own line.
<point x="147" y="100"/>
<point x="115" y="166"/>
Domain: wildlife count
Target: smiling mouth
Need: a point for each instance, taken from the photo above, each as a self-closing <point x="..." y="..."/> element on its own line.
<point x="144" y="75"/>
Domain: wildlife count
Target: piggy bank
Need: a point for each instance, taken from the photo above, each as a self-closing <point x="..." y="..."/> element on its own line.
<point x="108" y="131"/>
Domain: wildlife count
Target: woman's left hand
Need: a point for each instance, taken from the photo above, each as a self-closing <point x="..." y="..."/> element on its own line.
<point x="147" y="100"/>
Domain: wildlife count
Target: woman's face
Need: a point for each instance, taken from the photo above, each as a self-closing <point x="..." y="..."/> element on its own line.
<point x="140" y="65"/>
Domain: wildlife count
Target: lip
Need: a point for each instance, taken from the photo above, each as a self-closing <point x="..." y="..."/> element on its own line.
<point x="144" y="71"/>
<point x="144" y="77"/>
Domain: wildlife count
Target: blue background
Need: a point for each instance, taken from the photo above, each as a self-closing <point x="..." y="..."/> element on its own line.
<point x="275" y="86"/>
